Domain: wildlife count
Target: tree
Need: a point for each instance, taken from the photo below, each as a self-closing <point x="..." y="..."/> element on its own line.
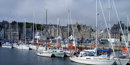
<point x="13" y="23"/>
<point x="38" y="26"/>
<point x="129" y="28"/>
<point x="1" y="26"/>
<point x="20" y="24"/>
<point x="28" y="25"/>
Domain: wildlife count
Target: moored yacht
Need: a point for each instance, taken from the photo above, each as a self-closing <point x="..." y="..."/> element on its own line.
<point x="7" y="45"/>
<point x="87" y="57"/>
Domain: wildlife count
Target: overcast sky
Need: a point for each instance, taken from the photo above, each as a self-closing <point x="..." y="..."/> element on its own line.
<point x="82" y="11"/>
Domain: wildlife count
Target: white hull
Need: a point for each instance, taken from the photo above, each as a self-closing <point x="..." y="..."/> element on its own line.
<point x="33" y="47"/>
<point x="6" y="46"/>
<point x="67" y="53"/>
<point x="57" y="53"/>
<point x="45" y="53"/>
<point x="23" y="47"/>
<point x="15" y="45"/>
<point x="122" y="61"/>
<point x="41" y="48"/>
<point x="86" y="60"/>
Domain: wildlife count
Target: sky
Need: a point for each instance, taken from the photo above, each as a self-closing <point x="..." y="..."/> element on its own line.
<point x="81" y="11"/>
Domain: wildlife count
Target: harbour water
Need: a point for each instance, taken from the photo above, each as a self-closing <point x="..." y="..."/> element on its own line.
<point x="29" y="57"/>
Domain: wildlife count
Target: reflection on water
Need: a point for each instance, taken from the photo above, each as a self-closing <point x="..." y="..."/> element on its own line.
<point x="29" y="57"/>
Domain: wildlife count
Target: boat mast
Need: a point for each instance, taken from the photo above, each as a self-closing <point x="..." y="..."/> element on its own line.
<point x="127" y="27"/>
<point x="33" y="25"/>
<point x="9" y="32"/>
<point x="68" y="25"/>
<point x="25" y="30"/>
<point x="109" y="15"/>
<point x="96" y="27"/>
<point x="109" y="8"/>
<point x="46" y="27"/>
<point x="57" y="29"/>
<point x="73" y="32"/>
<point x="17" y="31"/>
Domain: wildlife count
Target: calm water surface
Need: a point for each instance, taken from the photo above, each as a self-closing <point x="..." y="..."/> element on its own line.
<point x="29" y="57"/>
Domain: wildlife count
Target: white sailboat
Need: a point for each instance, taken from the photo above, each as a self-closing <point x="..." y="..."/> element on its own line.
<point x="65" y="47"/>
<point x="32" y="46"/>
<point x="22" y="45"/>
<point x="99" y="60"/>
<point x="47" y="52"/>
<point x="7" y="43"/>
<point x="58" y="52"/>
<point x="85" y="58"/>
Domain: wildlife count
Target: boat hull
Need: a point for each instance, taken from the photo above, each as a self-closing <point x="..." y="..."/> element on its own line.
<point x="15" y="45"/>
<point x="89" y="61"/>
<point x="45" y="54"/>
<point x="23" y="47"/>
<point x="122" y="61"/>
<point x="33" y="47"/>
<point x="7" y="46"/>
<point x="67" y="53"/>
<point x="58" y="54"/>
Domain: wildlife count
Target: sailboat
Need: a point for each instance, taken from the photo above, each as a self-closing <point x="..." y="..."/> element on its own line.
<point x="22" y="45"/>
<point x="47" y="52"/>
<point x="32" y="45"/>
<point x="58" y="52"/>
<point x="65" y="47"/>
<point x="94" y="58"/>
<point x="7" y="42"/>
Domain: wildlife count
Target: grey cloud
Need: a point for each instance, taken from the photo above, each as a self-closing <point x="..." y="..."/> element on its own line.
<point x="82" y="11"/>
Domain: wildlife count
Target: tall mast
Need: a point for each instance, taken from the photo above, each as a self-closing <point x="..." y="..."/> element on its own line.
<point x="35" y="21"/>
<point x="109" y="15"/>
<point x="18" y="30"/>
<point x="57" y="29"/>
<point x="46" y="26"/>
<point x="71" y="24"/>
<point x="25" y="30"/>
<point x="96" y="27"/>
<point x="33" y="24"/>
<point x="9" y="32"/>
<point x="127" y="27"/>
<point x="68" y="24"/>
<point x="73" y="32"/>
<point x="109" y="10"/>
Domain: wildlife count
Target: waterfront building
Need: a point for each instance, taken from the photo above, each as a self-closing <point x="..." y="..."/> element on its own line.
<point x="1" y="33"/>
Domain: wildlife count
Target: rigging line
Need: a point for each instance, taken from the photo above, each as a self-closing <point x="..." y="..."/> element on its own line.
<point x="106" y="26"/>
<point x="119" y="23"/>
